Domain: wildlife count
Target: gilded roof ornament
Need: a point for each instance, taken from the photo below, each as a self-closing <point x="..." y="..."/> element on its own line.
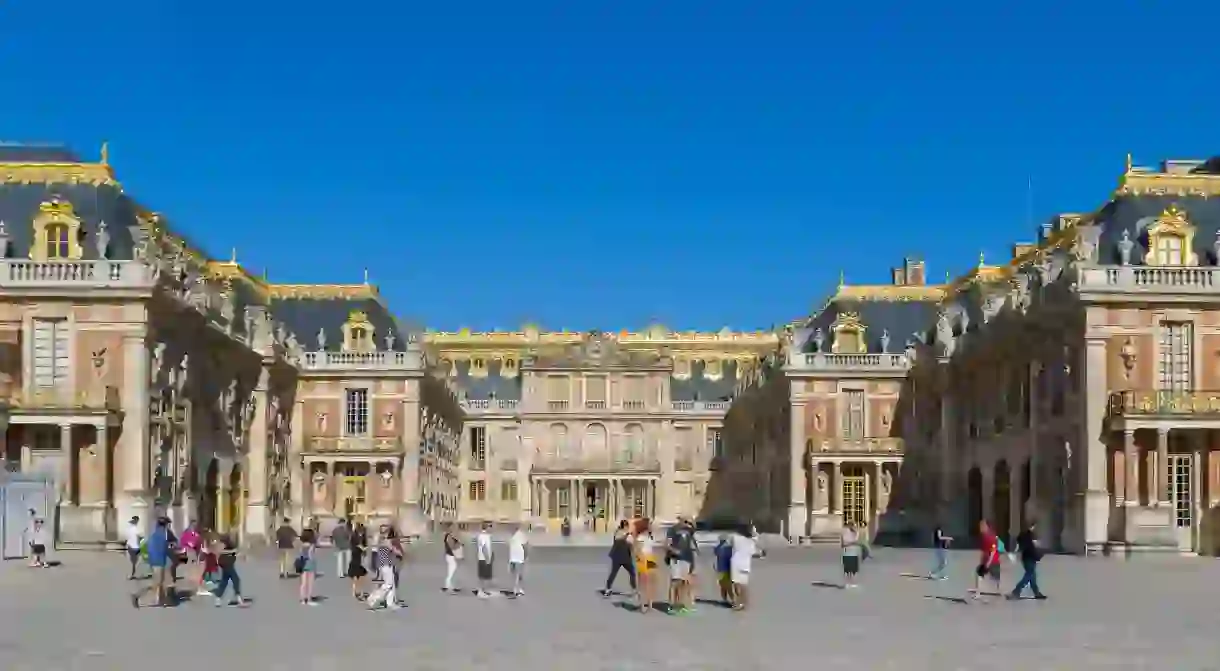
<point x="1130" y="164"/>
<point x="105" y="153"/>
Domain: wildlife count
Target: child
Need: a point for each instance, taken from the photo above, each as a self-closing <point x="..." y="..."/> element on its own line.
<point x="724" y="567"/>
<point x="38" y="545"/>
<point x="209" y="574"/>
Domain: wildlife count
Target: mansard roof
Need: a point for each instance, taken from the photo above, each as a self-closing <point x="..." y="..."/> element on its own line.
<point x="308" y="310"/>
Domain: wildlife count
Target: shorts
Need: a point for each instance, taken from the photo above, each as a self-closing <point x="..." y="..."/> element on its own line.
<point x="740" y="576"/>
<point x="484" y="571"/>
<point x="851" y="564"/>
<point x="644" y="566"/>
<point x="725" y="579"/>
<point x="992" y="571"/>
<point x="39" y="549"/>
<point x="679" y="570"/>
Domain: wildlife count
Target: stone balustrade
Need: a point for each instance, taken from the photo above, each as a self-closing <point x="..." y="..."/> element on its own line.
<point x="356" y="361"/>
<point x="878" y="446"/>
<point x="477" y="406"/>
<point x="700" y="406"/>
<point x="354" y="445"/>
<point x="1153" y="403"/>
<point x="1149" y="279"/>
<point x="98" y="274"/>
<point x="848" y="363"/>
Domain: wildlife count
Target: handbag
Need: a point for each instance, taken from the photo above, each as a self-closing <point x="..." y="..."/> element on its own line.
<point x="299" y="564"/>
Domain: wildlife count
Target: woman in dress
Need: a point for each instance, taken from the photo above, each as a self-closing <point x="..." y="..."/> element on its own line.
<point x="645" y="563"/>
<point x="355" y="570"/>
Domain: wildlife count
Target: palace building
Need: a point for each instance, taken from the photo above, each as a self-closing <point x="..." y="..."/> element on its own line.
<point x="140" y="375"/>
<point x="592" y="427"/>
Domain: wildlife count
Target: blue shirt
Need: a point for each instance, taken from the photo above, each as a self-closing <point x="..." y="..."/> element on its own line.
<point x="158" y="547"/>
<point x="724" y="557"/>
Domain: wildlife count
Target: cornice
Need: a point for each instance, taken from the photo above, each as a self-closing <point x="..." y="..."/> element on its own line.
<point x="96" y="174"/>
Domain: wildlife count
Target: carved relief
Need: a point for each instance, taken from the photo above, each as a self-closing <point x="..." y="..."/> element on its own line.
<point x="1128" y="355"/>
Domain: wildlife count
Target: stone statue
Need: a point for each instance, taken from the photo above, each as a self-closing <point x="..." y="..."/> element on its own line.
<point x="885" y="341"/>
<point x="228" y="307"/>
<point x="944" y="331"/>
<point x="819" y="340"/>
<point x="321" y="420"/>
<point x="281" y="333"/>
<point x="291" y="342"/>
<point x="157" y="360"/>
<point x="1125" y="246"/>
<point x="4" y="240"/>
<point x="887" y="482"/>
<point x="322" y="340"/>
<point x="101" y="240"/>
<point x="819" y="500"/>
<point x="389" y="341"/>
<point x="183" y="368"/>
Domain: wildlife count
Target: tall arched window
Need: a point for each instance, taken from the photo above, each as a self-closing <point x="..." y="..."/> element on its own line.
<point x="633" y="443"/>
<point x="559" y="440"/>
<point x="595" y="441"/>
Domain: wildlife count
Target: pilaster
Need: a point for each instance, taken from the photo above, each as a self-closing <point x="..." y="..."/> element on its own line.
<point x="798" y="506"/>
<point x="257" y="521"/>
<point x="1093" y="509"/>
<point x="132" y="495"/>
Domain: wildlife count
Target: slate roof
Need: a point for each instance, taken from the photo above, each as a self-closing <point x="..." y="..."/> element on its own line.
<point x="700" y="388"/>
<point x="16" y="152"/>
<point x="493" y="385"/>
<point x="1135" y="213"/>
<point x="306" y="316"/>
<point x="903" y="320"/>
<point x="19" y="205"/>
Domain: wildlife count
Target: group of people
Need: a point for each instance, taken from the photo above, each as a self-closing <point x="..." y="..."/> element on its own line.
<point x="214" y="556"/>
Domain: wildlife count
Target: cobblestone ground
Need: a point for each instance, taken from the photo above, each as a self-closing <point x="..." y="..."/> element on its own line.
<point x="1113" y="614"/>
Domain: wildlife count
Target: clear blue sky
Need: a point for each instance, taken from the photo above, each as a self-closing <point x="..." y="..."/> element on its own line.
<point x="607" y="164"/>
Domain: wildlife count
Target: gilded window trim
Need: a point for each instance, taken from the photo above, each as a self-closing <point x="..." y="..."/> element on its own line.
<point x="848" y="322"/>
<point x="358" y="319"/>
<point x="50" y="213"/>
<point x="1173" y="222"/>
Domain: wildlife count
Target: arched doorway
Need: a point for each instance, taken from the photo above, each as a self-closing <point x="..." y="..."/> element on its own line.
<point x="974" y="501"/>
<point x="209" y="497"/>
<point x="1001" y="501"/>
<point x="236" y="500"/>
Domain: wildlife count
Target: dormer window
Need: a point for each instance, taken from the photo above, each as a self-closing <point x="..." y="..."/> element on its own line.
<point x="1171" y="239"/>
<point x="478" y="367"/>
<point x="358" y="333"/>
<point x="508" y="368"/>
<point x="682" y="368"/>
<point x="57" y="241"/>
<point x="56" y="232"/>
<point x="713" y="369"/>
<point x="849" y="334"/>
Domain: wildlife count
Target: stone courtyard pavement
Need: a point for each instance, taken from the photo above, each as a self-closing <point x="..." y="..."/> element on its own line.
<point x="1113" y="614"/>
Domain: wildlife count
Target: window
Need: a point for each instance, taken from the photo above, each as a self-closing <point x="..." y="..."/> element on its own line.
<point x="509" y="367"/>
<point x="595" y="391"/>
<point x="478" y="367"/>
<point x="478" y="490"/>
<point x="848" y="341"/>
<point x="1175" y="356"/>
<point x="558" y="391"/>
<point x="57" y="241"/>
<point x="356" y="416"/>
<point x="853" y="418"/>
<point x="1169" y="250"/>
<point x="634" y="390"/>
<point x="478" y="448"/>
<point x="715" y="443"/>
<point x="51" y="350"/>
<point x="508" y="490"/>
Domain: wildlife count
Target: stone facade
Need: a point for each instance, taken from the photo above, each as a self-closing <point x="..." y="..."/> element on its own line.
<point x="593" y="427"/>
<point x="142" y="376"/>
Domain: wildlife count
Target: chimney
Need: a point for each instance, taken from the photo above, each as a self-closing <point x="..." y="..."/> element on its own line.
<point x="914" y="272"/>
<point x="900" y="276"/>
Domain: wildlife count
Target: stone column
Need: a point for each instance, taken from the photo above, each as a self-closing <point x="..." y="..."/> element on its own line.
<point x="102" y="447"/>
<point x="1160" y="474"/>
<point x="1093" y="511"/>
<point x="67" y="474"/>
<point x="817" y="503"/>
<point x="257" y="523"/>
<point x="411" y="518"/>
<point x="836" y="489"/>
<point x="1131" y="468"/>
<point x="664" y="507"/>
<point x="798" y="487"/>
<point x="132" y="496"/>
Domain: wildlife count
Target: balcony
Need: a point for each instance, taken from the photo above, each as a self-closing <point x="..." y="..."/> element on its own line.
<point x="58" y="400"/>
<point x="644" y="461"/>
<point x="99" y="274"/>
<point x="1150" y="279"/>
<point x="633" y="405"/>
<point x="508" y="464"/>
<point x="351" y="445"/>
<point x="848" y="363"/>
<point x="556" y="406"/>
<point x="700" y="406"/>
<point x="362" y="361"/>
<point x="595" y="405"/>
<point x="1152" y="404"/>
<point x="489" y="406"/>
<point x="877" y="446"/>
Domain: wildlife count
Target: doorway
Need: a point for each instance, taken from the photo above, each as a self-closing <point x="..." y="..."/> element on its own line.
<point x="596" y="508"/>
<point x="854" y="490"/>
<point x="1182" y="489"/>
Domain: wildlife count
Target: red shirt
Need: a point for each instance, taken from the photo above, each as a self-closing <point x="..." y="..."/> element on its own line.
<point x="990" y="545"/>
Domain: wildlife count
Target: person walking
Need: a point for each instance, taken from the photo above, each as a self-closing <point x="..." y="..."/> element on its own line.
<point x="453" y="555"/>
<point x="355" y="566"/>
<point x="518" y="549"/>
<point x="1031" y="554"/>
<point x="341" y="540"/>
<point x="286" y="540"/>
<point x="621" y="556"/>
<point x="940" y="546"/>
<point x="133" y="540"/>
<point x="307" y="568"/>
<point x="681" y="567"/>
<point x="485" y="555"/>
<point x="645" y="564"/>
<point x="722" y="554"/>
<point x="40" y="538"/>
<point x="209" y="564"/>
<point x="989" y="560"/>
<point x="225" y="550"/>
<point x="744" y="548"/>
<point x="157" y="550"/>
<point x="851" y="549"/>
<point x="386" y="594"/>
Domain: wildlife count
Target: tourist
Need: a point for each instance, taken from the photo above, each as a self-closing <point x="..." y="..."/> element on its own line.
<point x="723" y="554"/>
<point x="355" y="566"/>
<point x="341" y="540"/>
<point x="192" y="542"/>
<point x="307" y="568"/>
<point x="1031" y="554"/>
<point x="400" y="557"/>
<point x="285" y="540"/>
<point x="157" y="550"/>
<point x="989" y="560"/>
<point x="385" y="556"/>
<point x="209" y="571"/>
<point x="518" y="546"/>
<point x="744" y="548"/>
<point x="620" y="558"/>
<point x="453" y="555"/>
<point x="133" y="541"/>
<point x="851" y="548"/>
<point x="225" y="550"/>
<point x="645" y="564"/>
<point x="682" y="562"/>
<point x="40" y="538"/>
<point x="940" y="546"/>
<point x="485" y="555"/>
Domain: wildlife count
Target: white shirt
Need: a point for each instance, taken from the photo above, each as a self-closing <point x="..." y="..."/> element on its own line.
<point x="133" y="537"/>
<point x="483" y="545"/>
<point x="647" y="544"/>
<point x="743" y="553"/>
<point x="516" y="547"/>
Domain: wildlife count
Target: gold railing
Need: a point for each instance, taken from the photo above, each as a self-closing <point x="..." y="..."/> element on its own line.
<point x="354" y="444"/>
<point x="66" y="399"/>
<point x="888" y="444"/>
<point x="1194" y="402"/>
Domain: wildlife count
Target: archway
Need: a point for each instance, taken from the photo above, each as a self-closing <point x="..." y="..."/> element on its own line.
<point x="209" y="497"/>
<point x="974" y="501"/>
<point x="236" y="500"/>
<point x="1001" y="501"/>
